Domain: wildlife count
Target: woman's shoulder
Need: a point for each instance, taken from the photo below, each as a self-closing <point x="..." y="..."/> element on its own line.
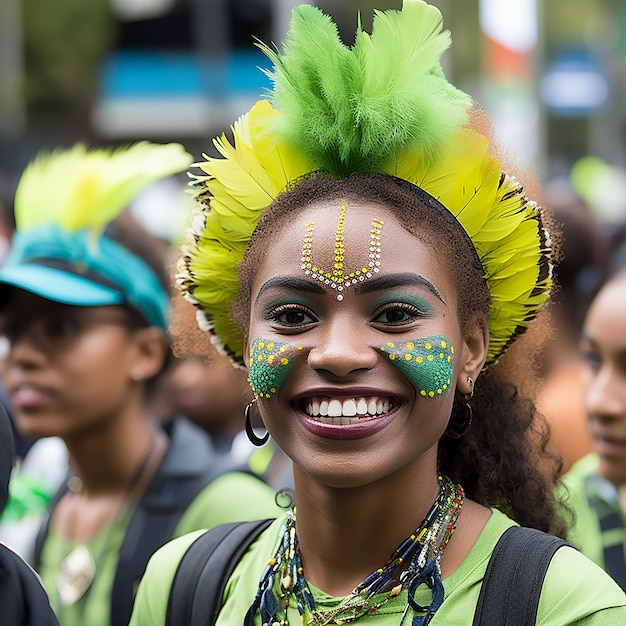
<point x="154" y="590"/>
<point x="152" y="596"/>
<point x="565" y="598"/>
<point x="577" y="589"/>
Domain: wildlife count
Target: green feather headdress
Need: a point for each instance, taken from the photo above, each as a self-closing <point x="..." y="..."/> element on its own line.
<point x="63" y="203"/>
<point x="382" y="105"/>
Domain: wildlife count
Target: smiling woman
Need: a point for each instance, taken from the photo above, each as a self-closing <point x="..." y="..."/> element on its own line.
<point x="362" y="253"/>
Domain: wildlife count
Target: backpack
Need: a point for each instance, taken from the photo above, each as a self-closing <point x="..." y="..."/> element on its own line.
<point x="519" y="562"/>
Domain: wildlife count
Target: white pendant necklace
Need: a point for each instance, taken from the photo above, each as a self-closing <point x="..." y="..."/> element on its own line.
<point x="75" y="575"/>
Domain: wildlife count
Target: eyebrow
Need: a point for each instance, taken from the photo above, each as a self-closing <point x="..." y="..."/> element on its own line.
<point x="376" y="284"/>
<point x="397" y="280"/>
<point x="290" y="282"/>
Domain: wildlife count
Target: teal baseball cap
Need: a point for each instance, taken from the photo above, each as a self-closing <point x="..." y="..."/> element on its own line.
<point x="77" y="269"/>
<point x="64" y="248"/>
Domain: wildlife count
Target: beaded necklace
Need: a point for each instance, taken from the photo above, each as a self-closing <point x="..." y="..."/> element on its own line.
<point x="413" y="563"/>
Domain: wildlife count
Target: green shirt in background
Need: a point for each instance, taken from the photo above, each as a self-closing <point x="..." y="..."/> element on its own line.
<point x="231" y="497"/>
<point x="575" y="591"/>
<point x="591" y="499"/>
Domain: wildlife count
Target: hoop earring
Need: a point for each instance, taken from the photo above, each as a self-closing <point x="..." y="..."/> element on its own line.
<point x="254" y="439"/>
<point x="459" y="429"/>
<point x="470" y="382"/>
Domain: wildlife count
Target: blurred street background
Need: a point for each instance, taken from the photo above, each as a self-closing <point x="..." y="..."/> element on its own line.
<point x="550" y="72"/>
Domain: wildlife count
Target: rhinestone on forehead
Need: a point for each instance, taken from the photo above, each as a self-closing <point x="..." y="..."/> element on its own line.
<point x="337" y="278"/>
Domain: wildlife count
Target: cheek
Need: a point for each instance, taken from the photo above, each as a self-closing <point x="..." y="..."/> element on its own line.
<point x="270" y="362"/>
<point x="426" y="363"/>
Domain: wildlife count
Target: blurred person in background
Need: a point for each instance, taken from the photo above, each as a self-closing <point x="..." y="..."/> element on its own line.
<point x="595" y="487"/>
<point x="205" y="388"/>
<point x="84" y="303"/>
<point x="212" y="396"/>
<point x="578" y="275"/>
<point x="22" y="597"/>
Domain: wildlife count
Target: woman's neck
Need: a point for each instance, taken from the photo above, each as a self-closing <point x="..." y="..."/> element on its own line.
<point x="345" y="534"/>
<point x="108" y="460"/>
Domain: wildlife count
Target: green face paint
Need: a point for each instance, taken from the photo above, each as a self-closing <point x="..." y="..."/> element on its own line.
<point x="426" y="363"/>
<point x="270" y="362"/>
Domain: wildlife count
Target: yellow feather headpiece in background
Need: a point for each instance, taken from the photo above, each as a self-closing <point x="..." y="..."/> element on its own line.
<point x="64" y="201"/>
<point x="385" y="106"/>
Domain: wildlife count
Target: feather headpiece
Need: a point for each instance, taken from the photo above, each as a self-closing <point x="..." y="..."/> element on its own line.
<point x="63" y="203"/>
<point x="382" y="105"/>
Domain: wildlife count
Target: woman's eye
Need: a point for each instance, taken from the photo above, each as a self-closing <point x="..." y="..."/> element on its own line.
<point x="591" y="359"/>
<point x="62" y="327"/>
<point x="397" y="314"/>
<point x="292" y="317"/>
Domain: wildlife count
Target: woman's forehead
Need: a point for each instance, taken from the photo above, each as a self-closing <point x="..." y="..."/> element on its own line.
<point x="344" y="245"/>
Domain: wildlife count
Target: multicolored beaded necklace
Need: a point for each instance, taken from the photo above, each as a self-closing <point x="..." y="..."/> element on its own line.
<point x="414" y="562"/>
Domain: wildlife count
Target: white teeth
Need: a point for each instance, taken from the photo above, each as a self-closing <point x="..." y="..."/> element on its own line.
<point x="334" y="408"/>
<point x="349" y="408"/>
<point x="345" y="411"/>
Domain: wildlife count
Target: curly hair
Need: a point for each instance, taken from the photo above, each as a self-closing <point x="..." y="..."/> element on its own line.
<point x="497" y="461"/>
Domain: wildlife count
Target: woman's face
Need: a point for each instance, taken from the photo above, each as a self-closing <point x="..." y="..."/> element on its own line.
<point x="603" y="347"/>
<point x="354" y="347"/>
<point x="66" y="369"/>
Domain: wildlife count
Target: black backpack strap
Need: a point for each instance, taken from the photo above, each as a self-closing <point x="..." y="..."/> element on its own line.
<point x="188" y="467"/>
<point x="206" y="567"/>
<point x="514" y="577"/>
<point x="152" y="524"/>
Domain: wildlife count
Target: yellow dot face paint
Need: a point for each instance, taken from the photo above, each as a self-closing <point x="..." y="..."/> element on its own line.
<point x="270" y="362"/>
<point x="338" y="277"/>
<point x="426" y="363"/>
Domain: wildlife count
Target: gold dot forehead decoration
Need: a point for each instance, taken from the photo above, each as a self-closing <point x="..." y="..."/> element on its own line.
<point x="337" y="278"/>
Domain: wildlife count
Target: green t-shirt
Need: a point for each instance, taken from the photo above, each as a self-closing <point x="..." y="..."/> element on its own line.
<point x="231" y="497"/>
<point x="575" y="591"/>
<point x="588" y="498"/>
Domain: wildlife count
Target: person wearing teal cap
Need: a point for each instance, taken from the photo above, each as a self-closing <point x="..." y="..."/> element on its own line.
<point x="84" y="306"/>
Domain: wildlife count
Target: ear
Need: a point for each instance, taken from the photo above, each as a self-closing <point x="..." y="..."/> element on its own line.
<point x="473" y="356"/>
<point x="246" y="351"/>
<point x="150" y="352"/>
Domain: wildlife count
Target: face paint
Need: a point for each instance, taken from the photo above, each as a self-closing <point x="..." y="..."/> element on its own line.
<point x="270" y="362"/>
<point x="426" y="363"/>
<point x="337" y="278"/>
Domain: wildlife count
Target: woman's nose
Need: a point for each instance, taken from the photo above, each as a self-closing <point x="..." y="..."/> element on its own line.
<point x="342" y="348"/>
<point x="605" y="394"/>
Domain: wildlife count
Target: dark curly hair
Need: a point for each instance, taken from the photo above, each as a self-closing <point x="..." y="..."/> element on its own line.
<point x="501" y="460"/>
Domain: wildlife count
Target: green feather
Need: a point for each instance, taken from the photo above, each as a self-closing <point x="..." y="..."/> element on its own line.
<point x="348" y="108"/>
